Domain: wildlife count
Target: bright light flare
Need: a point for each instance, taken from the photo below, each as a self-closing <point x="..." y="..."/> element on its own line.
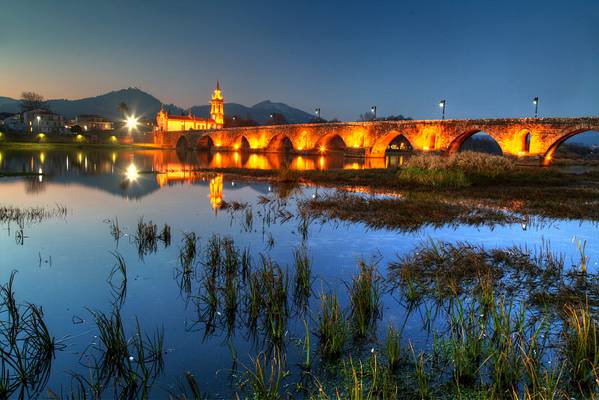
<point x="132" y="173"/>
<point x="132" y="122"/>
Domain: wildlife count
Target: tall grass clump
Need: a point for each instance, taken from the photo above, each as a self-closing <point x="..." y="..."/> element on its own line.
<point x="275" y="285"/>
<point x="332" y="328"/>
<point x="364" y="299"/>
<point x="303" y="277"/>
<point x="28" y="348"/>
<point x="266" y="376"/>
<point x="457" y="170"/>
<point x="393" y="348"/>
<point x="581" y="346"/>
<point x="127" y="365"/>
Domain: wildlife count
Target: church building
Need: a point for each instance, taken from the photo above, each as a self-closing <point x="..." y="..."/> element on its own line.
<point x="175" y="123"/>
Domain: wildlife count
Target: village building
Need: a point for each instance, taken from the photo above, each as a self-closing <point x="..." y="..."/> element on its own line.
<point x="176" y="123"/>
<point x="90" y="122"/>
<point x="43" y="121"/>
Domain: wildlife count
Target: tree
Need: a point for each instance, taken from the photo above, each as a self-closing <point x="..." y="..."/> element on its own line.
<point x="367" y="117"/>
<point x="236" y="121"/>
<point x="123" y="108"/>
<point x="277" y="119"/>
<point x="31" y="101"/>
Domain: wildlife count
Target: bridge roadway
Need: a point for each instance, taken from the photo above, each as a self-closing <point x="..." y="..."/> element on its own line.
<point x="518" y="137"/>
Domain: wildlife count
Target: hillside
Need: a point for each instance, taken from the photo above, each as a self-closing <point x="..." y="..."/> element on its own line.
<point x="146" y="105"/>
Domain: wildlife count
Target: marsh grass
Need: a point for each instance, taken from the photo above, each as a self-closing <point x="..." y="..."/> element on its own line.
<point x="302" y="288"/>
<point x="266" y="375"/>
<point x="442" y="270"/>
<point x="147" y="237"/>
<point x="406" y="213"/>
<point x="364" y="294"/>
<point x="119" y="287"/>
<point x="126" y="365"/>
<point x="28" y="348"/>
<point x="31" y="215"/>
<point x="457" y="170"/>
<point x="581" y="347"/>
<point x="393" y="348"/>
<point x="332" y="328"/>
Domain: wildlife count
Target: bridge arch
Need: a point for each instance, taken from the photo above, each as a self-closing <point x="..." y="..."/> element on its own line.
<point x="456" y="144"/>
<point x="242" y="144"/>
<point x="182" y="143"/>
<point x="549" y="154"/>
<point x="280" y="143"/>
<point x="205" y="143"/>
<point x="382" y="145"/>
<point x="332" y="142"/>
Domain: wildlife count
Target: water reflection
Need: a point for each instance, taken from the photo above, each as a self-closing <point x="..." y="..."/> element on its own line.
<point x="136" y="173"/>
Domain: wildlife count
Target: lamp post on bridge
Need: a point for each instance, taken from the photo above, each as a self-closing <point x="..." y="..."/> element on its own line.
<point x="373" y="111"/>
<point x="535" y="101"/>
<point x="317" y="112"/>
<point x="442" y="105"/>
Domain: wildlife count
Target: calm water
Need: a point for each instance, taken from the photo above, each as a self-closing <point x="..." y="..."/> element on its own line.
<point x="63" y="263"/>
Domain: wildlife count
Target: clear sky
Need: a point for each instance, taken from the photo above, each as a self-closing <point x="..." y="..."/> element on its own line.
<point x="486" y="58"/>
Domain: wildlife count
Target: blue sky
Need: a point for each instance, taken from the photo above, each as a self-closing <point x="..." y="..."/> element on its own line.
<point x="486" y="58"/>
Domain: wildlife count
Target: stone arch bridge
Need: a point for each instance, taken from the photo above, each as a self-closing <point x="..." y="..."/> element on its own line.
<point x="525" y="137"/>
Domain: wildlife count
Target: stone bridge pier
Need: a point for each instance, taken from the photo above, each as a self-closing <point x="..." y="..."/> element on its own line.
<point x="531" y="138"/>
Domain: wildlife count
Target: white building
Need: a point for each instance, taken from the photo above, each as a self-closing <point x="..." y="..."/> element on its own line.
<point x="43" y="121"/>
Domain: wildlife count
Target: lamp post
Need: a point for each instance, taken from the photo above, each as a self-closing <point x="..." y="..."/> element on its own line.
<point x="317" y="112"/>
<point x="442" y="105"/>
<point x="535" y="101"/>
<point x="373" y="111"/>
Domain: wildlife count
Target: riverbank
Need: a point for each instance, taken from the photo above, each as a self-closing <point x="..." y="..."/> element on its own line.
<point x="485" y="185"/>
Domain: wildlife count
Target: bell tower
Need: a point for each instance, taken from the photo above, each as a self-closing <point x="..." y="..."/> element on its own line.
<point x="217" y="107"/>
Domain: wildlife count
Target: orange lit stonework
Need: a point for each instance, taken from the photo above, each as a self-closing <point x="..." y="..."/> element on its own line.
<point x="177" y="123"/>
<point x="525" y="137"/>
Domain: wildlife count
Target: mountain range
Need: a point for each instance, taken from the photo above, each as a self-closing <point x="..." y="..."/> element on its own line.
<point x="146" y="105"/>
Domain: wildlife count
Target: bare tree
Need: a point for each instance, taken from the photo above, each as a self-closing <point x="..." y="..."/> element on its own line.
<point x="31" y="101"/>
<point x="123" y="108"/>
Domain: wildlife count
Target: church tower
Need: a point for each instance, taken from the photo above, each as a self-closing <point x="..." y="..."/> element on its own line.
<point x="217" y="107"/>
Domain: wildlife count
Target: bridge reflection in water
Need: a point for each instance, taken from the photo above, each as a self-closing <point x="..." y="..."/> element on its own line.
<point x="138" y="170"/>
<point x="181" y="167"/>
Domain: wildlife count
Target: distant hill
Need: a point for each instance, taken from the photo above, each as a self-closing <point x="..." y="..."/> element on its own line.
<point x="146" y="105"/>
<point x="259" y="112"/>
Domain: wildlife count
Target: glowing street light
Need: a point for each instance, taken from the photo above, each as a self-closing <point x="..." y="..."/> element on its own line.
<point x="535" y="101"/>
<point x="442" y="105"/>
<point x="132" y="122"/>
<point x="373" y="111"/>
<point x="317" y="112"/>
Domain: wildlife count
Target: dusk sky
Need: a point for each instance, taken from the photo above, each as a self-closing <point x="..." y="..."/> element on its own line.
<point x="487" y="58"/>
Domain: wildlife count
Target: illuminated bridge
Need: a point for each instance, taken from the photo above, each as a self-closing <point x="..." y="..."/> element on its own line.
<point x="525" y="137"/>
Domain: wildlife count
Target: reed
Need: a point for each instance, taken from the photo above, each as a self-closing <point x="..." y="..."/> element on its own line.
<point x="266" y="376"/>
<point x="393" y="348"/>
<point x="364" y="299"/>
<point x="119" y="289"/>
<point x="422" y="376"/>
<point x="332" y="328"/>
<point x="303" y="277"/>
<point x="275" y="284"/>
<point x="28" y="348"/>
<point x="581" y="346"/>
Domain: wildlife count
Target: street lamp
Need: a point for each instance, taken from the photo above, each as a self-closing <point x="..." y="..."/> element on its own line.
<point x="317" y="112"/>
<point x="442" y="105"/>
<point x="131" y="122"/>
<point x="373" y="111"/>
<point x="535" y="101"/>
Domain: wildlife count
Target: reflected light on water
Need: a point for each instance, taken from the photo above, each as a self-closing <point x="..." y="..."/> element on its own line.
<point x="132" y="173"/>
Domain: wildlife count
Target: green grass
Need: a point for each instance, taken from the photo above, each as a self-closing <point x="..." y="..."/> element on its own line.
<point x="364" y="296"/>
<point x="332" y="328"/>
